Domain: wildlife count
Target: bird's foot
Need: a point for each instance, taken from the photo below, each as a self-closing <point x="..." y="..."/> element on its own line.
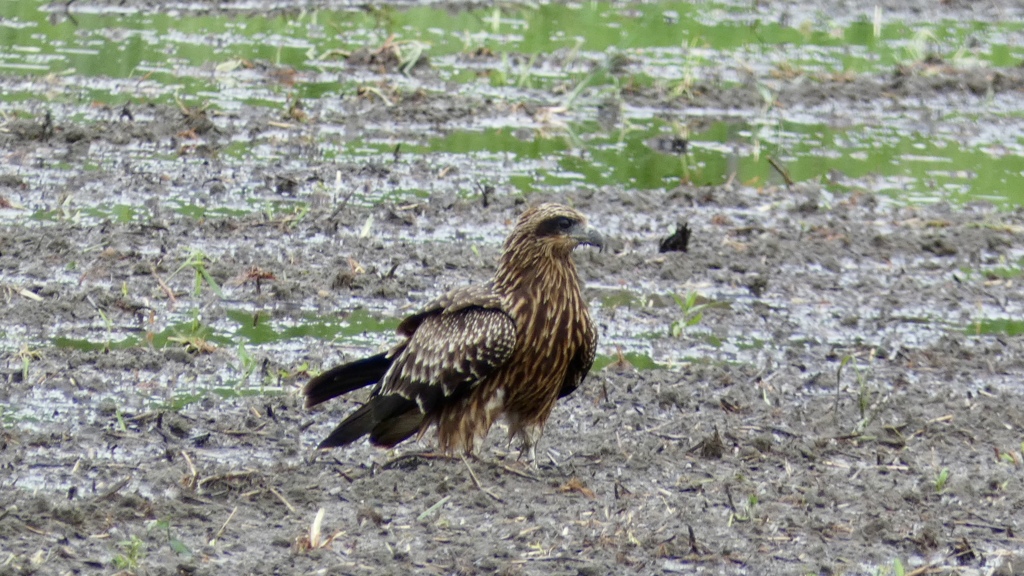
<point x="530" y="451"/>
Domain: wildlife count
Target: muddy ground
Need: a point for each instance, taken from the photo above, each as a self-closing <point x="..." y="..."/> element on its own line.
<point x="839" y="408"/>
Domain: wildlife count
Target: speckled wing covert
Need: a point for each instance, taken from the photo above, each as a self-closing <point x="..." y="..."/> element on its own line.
<point x="458" y="340"/>
<point x="451" y="345"/>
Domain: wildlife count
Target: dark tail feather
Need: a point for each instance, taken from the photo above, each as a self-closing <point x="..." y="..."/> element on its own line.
<point x="388" y="420"/>
<point x="346" y="378"/>
<point x="397" y="428"/>
<point x="357" y="425"/>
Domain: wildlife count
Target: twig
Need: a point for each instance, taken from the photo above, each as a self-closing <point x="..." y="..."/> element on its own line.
<point x="933" y="567"/>
<point x="283" y="500"/>
<point x="193" y="480"/>
<point x="163" y="286"/>
<point x="519" y="473"/>
<point x="29" y="295"/>
<point x="35" y="530"/>
<point x="476" y="481"/>
<point x="433" y="508"/>
<point x="213" y="541"/>
<point x="548" y="559"/>
<point x="227" y="476"/>
<point x="115" y="489"/>
<point x="781" y="170"/>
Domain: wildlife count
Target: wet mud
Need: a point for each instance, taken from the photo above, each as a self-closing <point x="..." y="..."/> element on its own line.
<point x="848" y="396"/>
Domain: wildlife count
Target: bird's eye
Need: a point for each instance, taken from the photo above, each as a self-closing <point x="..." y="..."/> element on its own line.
<point x="555" y="226"/>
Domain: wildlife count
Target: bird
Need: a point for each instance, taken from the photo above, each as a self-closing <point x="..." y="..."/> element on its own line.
<point x="510" y="347"/>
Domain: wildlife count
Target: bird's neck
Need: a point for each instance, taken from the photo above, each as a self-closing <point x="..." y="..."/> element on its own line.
<point x="537" y="274"/>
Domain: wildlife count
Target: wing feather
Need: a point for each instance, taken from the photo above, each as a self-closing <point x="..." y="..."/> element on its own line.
<point x="580" y="364"/>
<point x="449" y="347"/>
<point x="449" y="354"/>
<point x="452" y="302"/>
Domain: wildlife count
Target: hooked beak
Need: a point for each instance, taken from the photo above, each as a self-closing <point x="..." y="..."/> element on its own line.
<point x="588" y="235"/>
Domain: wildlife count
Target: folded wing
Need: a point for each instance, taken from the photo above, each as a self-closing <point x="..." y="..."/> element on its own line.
<point x="451" y="347"/>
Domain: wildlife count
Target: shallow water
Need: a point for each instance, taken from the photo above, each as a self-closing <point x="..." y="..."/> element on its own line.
<point x="589" y="53"/>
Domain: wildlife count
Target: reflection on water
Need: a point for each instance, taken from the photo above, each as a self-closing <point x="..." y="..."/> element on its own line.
<point x="580" y="56"/>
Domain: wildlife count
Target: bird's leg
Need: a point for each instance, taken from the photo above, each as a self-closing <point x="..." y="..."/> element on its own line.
<point x="530" y="436"/>
<point x="527" y="437"/>
<point x="530" y="451"/>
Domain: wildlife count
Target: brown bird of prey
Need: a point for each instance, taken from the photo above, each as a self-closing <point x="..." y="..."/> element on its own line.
<point x="510" y="347"/>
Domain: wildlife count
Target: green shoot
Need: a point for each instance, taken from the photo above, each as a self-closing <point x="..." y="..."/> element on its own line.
<point x="110" y="328"/>
<point x="120" y="420"/>
<point x="747" y="514"/>
<point x="920" y="46"/>
<point x="132" y="553"/>
<point x="524" y="73"/>
<point x="693" y="308"/>
<point x="198" y="261"/>
<point x="412" y="54"/>
<point x="195" y="340"/>
<point x="27" y="355"/>
<point x="176" y="545"/>
<point x="684" y="86"/>
<point x="246" y="363"/>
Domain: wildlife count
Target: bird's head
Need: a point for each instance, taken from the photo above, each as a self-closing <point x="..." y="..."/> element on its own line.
<point x="553" y="229"/>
